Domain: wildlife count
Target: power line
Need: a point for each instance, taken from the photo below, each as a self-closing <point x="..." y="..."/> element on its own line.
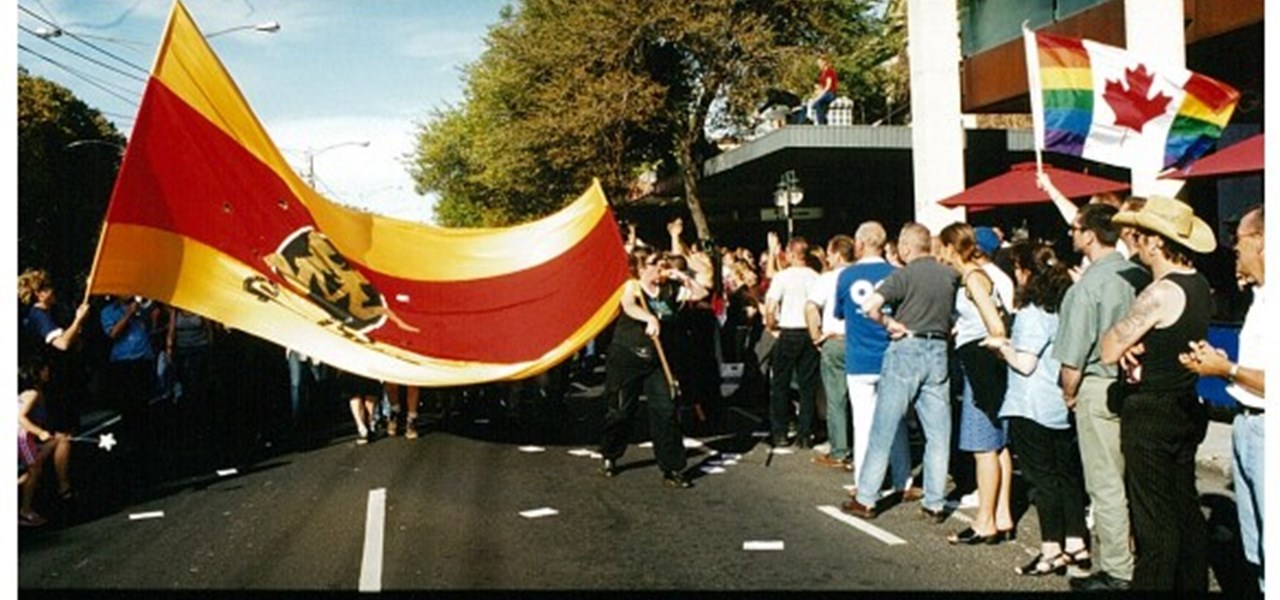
<point x="120" y="116"/>
<point x="82" y="40"/>
<point x="90" y="78"/>
<point x="83" y="55"/>
<point x="87" y="78"/>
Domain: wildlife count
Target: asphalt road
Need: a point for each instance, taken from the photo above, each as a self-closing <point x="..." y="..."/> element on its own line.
<point x="301" y="519"/>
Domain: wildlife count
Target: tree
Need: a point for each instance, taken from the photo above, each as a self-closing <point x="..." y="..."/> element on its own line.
<point x="62" y="191"/>
<point x="570" y="90"/>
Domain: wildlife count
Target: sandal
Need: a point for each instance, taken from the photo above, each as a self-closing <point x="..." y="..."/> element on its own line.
<point x="1040" y="565"/>
<point x="30" y="519"/>
<point x="1083" y="562"/>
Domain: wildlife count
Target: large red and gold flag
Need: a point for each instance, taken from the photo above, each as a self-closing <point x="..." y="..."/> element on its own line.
<point x="207" y="216"/>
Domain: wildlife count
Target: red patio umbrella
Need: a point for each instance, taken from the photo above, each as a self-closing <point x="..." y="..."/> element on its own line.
<point x="1241" y="158"/>
<point x="1018" y="186"/>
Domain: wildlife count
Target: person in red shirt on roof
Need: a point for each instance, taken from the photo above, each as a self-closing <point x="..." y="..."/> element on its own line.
<point x="824" y="91"/>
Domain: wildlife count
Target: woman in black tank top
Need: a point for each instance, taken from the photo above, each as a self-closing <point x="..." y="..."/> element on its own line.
<point x="649" y="302"/>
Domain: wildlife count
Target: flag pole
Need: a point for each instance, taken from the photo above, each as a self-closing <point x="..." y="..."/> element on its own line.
<point x="97" y="254"/>
<point x="1033" y="91"/>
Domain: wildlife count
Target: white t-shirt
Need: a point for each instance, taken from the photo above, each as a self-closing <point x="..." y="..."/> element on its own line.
<point x="1252" y="348"/>
<point x="790" y="289"/>
<point x="823" y="294"/>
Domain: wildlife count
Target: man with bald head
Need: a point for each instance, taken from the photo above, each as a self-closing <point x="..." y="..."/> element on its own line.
<point x="915" y="370"/>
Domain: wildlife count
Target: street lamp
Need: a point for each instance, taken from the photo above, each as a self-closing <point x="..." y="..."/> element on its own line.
<point x="268" y="27"/>
<point x="49" y="33"/>
<point x="788" y="194"/>
<point x="312" y="154"/>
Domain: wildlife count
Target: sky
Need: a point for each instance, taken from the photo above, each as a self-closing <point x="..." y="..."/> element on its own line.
<point x="337" y="73"/>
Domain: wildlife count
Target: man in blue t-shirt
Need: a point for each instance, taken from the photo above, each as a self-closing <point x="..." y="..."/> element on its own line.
<point x="865" y="343"/>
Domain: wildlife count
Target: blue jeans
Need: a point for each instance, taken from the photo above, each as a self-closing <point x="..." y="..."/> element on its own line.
<point x="1248" y="442"/>
<point x="837" y="389"/>
<point x="818" y="109"/>
<point x="915" y="371"/>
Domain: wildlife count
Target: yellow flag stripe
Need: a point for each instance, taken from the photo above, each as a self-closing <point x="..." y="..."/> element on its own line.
<point x="1193" y="108"/>
<point x="1063" y="78"/>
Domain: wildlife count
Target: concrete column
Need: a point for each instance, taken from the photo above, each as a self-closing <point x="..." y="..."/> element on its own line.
<point x="937" y="135"/>
<point x="1156" y="28"/>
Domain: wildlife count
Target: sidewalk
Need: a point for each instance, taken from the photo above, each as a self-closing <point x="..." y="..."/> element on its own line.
<point x="1214" y="453"/>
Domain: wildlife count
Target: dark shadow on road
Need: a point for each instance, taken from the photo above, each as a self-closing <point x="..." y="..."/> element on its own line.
<point x="1236" y="577"/>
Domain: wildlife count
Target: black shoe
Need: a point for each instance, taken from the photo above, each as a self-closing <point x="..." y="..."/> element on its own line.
<point x="673" y="479"/>
<point x="936" y="516"/>
<point x="804" y="442"/>
<point x="1099" y="582"/>
<point x="1006" y="535"/>
<point x="608" y="467"/>
<point x="969" y="537"/>
<point x="781" y="441"/>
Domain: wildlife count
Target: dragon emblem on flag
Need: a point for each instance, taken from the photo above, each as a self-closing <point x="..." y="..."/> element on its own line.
<point x="312" y="266"/>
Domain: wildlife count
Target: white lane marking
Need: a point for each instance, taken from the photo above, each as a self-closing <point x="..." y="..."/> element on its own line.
<point x="155" y="514"/>
<point x="580" y="452"/>
<point x="963" y="518"/>
<point x="532" y="449"/>
<point x="374" y="526"/>
<point x="227" y="472"/>
<point x="539" y="512"/>
<point x="764" y="545"/>
<point x="863" y="526"/>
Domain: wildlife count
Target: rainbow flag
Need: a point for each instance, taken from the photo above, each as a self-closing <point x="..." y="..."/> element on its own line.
<point x="206" y="215"/>
<point x="1105" y="104"/>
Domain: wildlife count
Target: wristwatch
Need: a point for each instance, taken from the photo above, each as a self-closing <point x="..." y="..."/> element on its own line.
<point x="1231" y="375"/>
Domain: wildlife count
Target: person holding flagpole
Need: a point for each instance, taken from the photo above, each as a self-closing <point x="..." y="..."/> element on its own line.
<point x="637" y="363"/>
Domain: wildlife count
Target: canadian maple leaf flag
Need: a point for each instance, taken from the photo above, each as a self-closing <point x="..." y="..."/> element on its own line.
<point x="1106" y="104"/>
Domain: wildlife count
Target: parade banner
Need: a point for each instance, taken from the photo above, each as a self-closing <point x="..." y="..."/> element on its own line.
<point x="207" y="216"/>
<point x="1106" y="104"/>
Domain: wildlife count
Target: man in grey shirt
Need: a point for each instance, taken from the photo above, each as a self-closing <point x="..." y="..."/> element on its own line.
<point x="915" y="370"/>
<point x="1091" y="306"/>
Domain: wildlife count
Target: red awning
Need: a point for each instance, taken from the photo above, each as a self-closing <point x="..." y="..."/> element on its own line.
<point x="1240" y="158"/>
<point x="1018" y="186"/>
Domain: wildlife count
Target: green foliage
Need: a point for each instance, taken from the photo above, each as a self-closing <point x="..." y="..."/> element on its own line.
<point x="571" y="90"/>
<point x="62" y="192"/>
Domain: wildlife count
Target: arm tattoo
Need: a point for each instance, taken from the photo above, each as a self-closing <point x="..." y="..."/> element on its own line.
<point x="1142" y="316"/>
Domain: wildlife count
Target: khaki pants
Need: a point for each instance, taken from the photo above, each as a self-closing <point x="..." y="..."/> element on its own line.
<point x="1099" y="431"/>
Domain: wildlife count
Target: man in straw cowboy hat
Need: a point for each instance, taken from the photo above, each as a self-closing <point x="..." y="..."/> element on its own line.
<point x="1163" y="421"/>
